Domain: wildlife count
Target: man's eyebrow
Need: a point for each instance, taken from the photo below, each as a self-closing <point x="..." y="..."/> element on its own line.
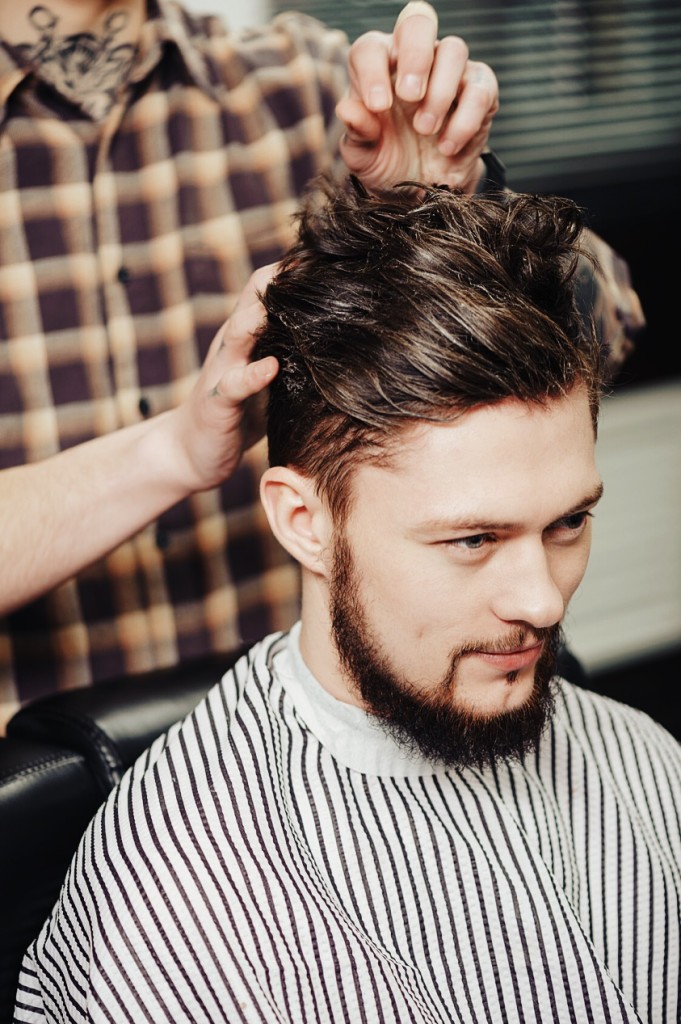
<point x="586" y="502"/>
<point x="488" y="526"/>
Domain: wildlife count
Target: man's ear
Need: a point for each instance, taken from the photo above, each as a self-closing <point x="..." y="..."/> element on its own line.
<point x="297" y="516"/>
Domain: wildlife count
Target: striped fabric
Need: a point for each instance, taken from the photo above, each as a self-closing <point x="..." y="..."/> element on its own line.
<point x="276" y="858"/>
<point x="123" y="246"/>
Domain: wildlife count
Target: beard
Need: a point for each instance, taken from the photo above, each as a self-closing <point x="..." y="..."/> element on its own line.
<point x="431" y="723"/>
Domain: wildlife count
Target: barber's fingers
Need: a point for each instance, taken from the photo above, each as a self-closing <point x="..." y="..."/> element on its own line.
<point x="244" y="380"/>
<point x="382" y="64"/>
<point x="362" y="127"/>
<point x="421" y="7"/>
<point x="473" y="109"/>
<point x="446" y="94"/>
<point x="461" y="96"/>
<point x="444" y="86"/>
<point x="227" y="372"/>
<point x="370" y="72"/>
<point x="414" y="42"/>
<point x="236" y="335"/>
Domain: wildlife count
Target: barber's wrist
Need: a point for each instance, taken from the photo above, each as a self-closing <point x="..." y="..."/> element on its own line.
<point x="493" y="176"/>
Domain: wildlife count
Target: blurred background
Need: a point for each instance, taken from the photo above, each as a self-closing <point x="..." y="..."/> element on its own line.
<point x="591" y="108"/>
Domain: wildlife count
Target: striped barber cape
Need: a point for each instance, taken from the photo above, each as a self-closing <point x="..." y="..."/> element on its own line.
<point x="277" y="858"/>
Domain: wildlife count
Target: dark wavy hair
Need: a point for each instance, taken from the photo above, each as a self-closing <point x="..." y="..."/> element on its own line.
<point x="417" y="303"/>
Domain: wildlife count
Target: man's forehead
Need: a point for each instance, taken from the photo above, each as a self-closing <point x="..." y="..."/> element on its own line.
<point x="481" y="427"/>
<point x="487" y="459"/>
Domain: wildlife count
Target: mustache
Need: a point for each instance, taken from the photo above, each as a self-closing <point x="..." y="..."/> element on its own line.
<point x="518" y="639"/>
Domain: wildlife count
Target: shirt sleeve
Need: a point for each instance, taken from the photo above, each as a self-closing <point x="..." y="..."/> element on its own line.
<point x="605" y="291"/>
<point x="297" y="68"/>
<point x="604" y="288"/>
<point x="327" y="48"/>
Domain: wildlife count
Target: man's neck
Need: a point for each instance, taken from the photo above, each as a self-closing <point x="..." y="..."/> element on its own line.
<point x="24" y="22"/>
<point x="83" y="48"/>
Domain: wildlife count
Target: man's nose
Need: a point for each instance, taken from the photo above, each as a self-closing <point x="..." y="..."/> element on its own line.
<point x="529" y="591"/>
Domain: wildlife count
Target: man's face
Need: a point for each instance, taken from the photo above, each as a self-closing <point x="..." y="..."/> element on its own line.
<point x="450" y="580"/>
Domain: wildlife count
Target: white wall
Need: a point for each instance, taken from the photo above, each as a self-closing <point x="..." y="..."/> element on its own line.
<point x="236" y="13"/>
<point x="629" y="603"/>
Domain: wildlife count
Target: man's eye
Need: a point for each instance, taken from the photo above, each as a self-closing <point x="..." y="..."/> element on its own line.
<point x="474" y="543"/>
<point x="576" y="522"/>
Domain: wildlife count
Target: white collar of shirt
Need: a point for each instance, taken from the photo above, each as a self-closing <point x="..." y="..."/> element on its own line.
<point x="353" y="737"/>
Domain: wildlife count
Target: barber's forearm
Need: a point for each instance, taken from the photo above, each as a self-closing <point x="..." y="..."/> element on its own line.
<point x="60" y="515"/>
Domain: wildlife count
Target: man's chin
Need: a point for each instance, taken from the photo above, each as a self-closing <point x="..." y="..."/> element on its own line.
<point x="499" y="694"/>
<point x="462" y="737"/>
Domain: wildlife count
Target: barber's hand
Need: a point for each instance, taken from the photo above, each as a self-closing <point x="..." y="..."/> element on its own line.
<point x="416" y="108"/>
<point x="224" y="413"/>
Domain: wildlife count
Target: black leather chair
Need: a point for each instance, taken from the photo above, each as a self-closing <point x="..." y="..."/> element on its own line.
<point x="58" y="761"/>
<point x="60" y="758"/>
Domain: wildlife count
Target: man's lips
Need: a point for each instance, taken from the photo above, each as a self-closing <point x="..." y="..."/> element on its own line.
<point x="511" y="661"/>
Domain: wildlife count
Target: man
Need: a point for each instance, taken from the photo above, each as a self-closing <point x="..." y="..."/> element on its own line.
<point x="394" y="812"/>
<point x="150" y="161"/>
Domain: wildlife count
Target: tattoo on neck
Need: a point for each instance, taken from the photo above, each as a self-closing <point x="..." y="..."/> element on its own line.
<point x="87" y="65"/>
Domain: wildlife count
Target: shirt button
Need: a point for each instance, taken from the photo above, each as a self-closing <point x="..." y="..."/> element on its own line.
<point x="123" y="275"/>
<point x="162" y="539"/>
<point x="144" y="406"/>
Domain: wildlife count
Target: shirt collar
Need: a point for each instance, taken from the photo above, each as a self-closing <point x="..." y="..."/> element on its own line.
<point x="169" y="24"/>
<point x="166" y="25"/>
<point x="11" y="75"/>
<point x="354" y="738"/>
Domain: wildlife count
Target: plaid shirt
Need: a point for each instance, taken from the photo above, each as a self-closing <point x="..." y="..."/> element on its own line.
<point x="123" y="246"/>
<point x="124" y="243"/>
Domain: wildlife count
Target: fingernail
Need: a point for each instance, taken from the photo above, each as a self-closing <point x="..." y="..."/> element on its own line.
<point x="378" y="98"/>
<point x="447" y="148"/>
<point x="411" y="88"/>
<point x="424" y="123"/>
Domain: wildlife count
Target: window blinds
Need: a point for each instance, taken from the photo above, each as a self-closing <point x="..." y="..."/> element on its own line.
<point x="590" y="89"/>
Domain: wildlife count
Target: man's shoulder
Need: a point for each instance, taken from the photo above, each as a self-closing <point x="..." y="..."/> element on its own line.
<point x="211" y="719"/>
<point x="276" y="41"/>
<point x="595" y="720"/>
<point x="160" y="845"/>
<point x="179" y="774"/>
